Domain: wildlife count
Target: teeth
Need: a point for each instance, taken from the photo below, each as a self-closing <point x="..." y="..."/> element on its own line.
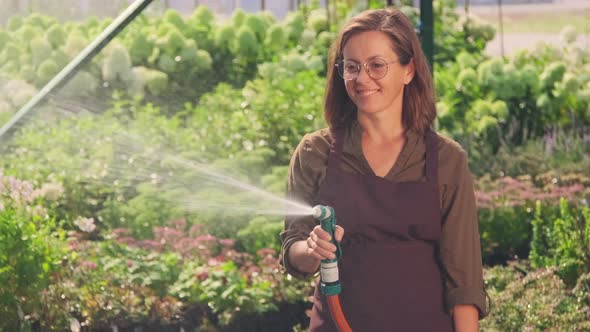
<point x="366" y="93"/>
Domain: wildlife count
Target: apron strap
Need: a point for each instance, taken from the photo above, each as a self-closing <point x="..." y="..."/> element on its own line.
<point x="432" y="157"/>
<point x="336" y="147"/>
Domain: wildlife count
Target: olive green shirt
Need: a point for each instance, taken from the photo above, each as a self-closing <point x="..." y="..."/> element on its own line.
<point x="459" y="248"/>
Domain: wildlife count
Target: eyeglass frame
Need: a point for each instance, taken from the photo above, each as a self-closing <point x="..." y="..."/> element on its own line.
<point x="364" y="65"/>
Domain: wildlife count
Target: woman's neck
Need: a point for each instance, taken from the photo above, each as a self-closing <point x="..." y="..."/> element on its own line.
<point x="382" y="127"/>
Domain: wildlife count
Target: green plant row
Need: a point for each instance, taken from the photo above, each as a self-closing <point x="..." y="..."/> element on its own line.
<point x="168" y="56"/>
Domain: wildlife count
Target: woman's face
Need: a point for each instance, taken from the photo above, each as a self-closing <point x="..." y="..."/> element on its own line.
<point x="372" y="95"/>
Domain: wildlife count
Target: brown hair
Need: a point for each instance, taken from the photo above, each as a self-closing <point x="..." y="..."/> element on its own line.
<point x="419" y="110"/>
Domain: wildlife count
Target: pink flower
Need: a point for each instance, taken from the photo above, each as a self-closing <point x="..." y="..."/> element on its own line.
<point x="202" y="275"/>
<point x="179" y="224"/>
<point x="228" y="243"/>
<point x="88" y="265"/>
<point x="195" y="230"/>
<point x="120" y="232"/>
<point x="266" y="252"/>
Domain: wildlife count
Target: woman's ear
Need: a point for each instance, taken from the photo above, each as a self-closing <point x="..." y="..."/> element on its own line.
<point x="409" y="71"/>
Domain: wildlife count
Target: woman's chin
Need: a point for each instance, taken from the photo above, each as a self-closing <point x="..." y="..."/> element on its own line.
<point x="369" y="109"/>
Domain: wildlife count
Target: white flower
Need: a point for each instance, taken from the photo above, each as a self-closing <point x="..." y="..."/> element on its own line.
<point x="52" y="191"/>
<point x="74" y="325"/>
<point x="85" y="224"/>
<point x="569" y="34"/>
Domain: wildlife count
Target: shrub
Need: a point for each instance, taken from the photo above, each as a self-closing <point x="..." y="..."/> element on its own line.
<point x="561" y="237"/>
<point x="30" y="252"/>
<point x="535" y="300"/>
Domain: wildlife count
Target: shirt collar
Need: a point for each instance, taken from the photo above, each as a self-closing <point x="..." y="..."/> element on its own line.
<point x="410" y="150"/>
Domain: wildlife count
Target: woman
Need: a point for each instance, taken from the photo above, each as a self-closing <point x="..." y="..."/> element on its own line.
<point x="403" y="194"/>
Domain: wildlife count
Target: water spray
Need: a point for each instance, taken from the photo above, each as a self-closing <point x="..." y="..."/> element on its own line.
<point x="329" y="277"/>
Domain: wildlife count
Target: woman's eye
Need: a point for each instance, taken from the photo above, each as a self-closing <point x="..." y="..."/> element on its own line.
<point x="351" y="68"/>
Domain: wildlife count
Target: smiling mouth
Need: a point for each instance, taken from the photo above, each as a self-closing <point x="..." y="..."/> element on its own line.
<point x="366" y="93"/>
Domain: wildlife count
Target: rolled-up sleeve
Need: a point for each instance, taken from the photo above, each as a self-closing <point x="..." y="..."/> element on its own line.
<point x="306" y="170"/>
<point x="460" y="248"/>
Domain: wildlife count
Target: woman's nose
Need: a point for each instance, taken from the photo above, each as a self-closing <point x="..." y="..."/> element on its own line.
<point x="363" y="75"/>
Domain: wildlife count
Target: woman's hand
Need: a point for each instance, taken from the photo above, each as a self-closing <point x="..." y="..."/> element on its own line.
<point x="319" y="245"/>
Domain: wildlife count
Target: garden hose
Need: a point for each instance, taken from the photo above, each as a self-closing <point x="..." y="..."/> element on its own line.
<point x="329" y="278"/>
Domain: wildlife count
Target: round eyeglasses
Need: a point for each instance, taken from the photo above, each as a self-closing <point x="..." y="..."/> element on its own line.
<point x="376" y="68"/>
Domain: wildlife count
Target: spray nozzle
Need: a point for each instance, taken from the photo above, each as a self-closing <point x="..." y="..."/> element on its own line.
<point x="330" y="281"/>
<point x="321" y="212"/>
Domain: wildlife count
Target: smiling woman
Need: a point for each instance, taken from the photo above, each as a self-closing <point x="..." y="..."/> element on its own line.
<point x="402" y="193"/>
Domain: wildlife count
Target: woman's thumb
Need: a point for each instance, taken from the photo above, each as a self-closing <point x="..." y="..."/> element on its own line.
<point x="338" y="233"/>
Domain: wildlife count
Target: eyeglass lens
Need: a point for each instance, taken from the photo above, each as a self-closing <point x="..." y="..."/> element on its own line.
<point x="349" y="70"/>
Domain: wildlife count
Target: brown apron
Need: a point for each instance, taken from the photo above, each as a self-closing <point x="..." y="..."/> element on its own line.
<point x="391" y="277"/>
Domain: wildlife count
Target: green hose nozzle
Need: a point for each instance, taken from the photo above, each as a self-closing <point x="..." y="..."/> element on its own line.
<point x="330" y="280"/>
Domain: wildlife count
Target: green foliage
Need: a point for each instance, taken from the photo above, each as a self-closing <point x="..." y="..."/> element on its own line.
<point x="14" y="23"/>
<point x="256" y="113"/>
<point x="151" y="207"/>
<point x="505" y="233"/>
<point x="46" y="71"/>
<point x="535" y="92"/>
<point x="15" y="93"/>
<point x="225" y="289"/>
<point x="261" y="232"/>
<point x="128" y="266"/>
<point x="507" y="209"/>
<point x="552" y="74"/>
<point x="29" y="254"/>
<point x="173" y="17"/>
<point x="562" y="152"/>
<point x="536" y="301"/>
<point x="140" y="48"/>
<point x="75" y="43"/>
<point x="452" y="34"/>
<point x="259" y="86"/>
<point x="561" y="237"/>
<point x="318" y="21"/>
<point x="258" y="25"/>
<point x="56" y="35"/>
<point x="82" y="84"/>
<point x="246" y="42"/>
<point x="188" y="52"/>
<point x="203" y="15"/>
<point x="40" y="48"/>
<point x="117" y="64"/>
<point x="294" y="26"/>
<point x="224" y="35"/>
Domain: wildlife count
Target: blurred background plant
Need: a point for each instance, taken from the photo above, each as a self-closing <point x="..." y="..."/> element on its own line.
<point x="108" y="219"/>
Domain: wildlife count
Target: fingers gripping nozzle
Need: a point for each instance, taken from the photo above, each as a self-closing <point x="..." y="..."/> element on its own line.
<point x="330" y="280"/>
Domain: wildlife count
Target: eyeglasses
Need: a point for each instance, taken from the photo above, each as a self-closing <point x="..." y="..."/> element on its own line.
<point x="376" y="68"/>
